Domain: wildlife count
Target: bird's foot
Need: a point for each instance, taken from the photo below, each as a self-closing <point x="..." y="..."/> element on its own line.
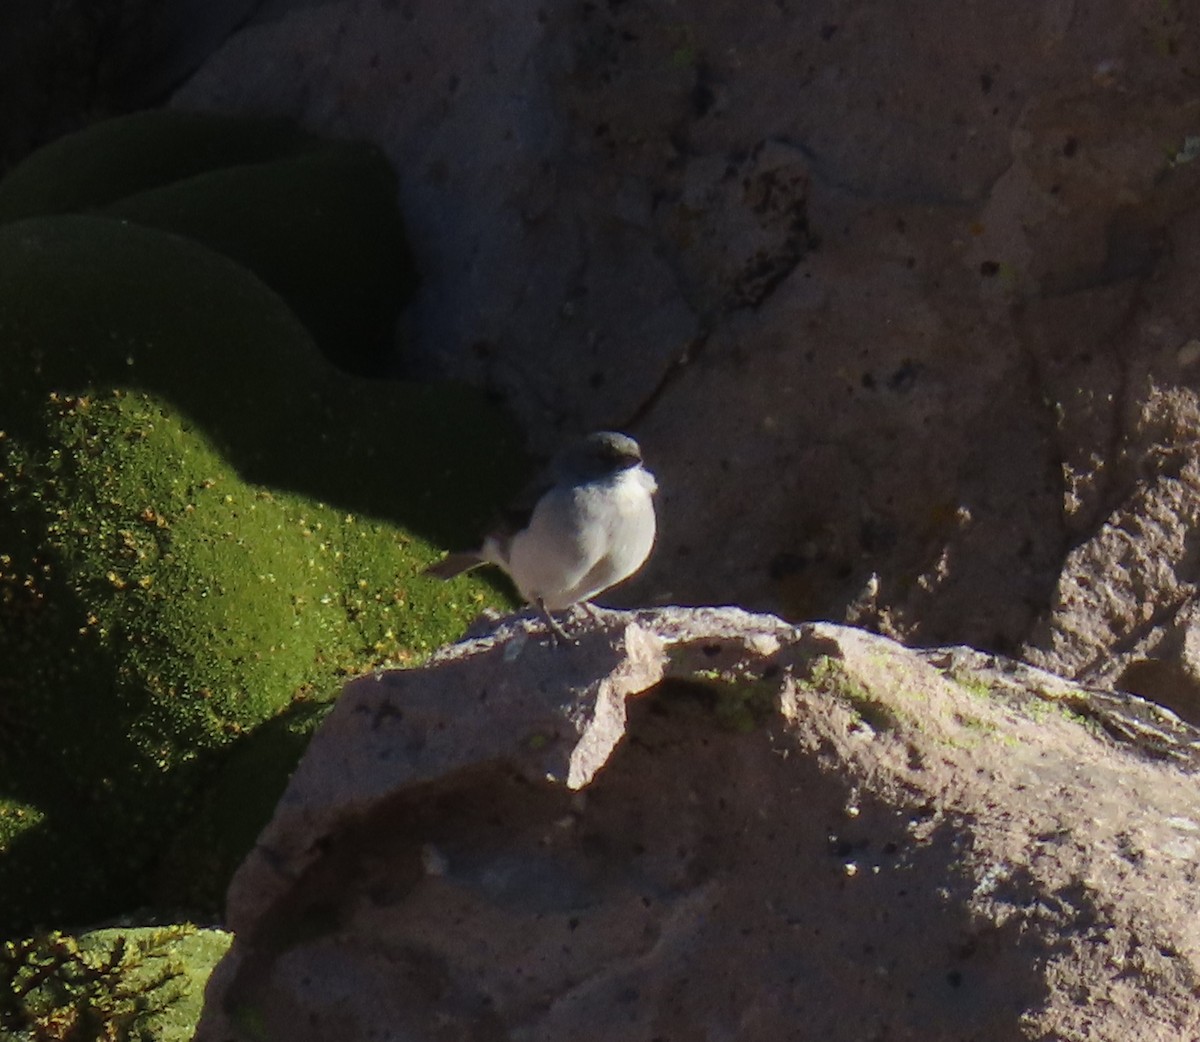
<point x="590" y="610"/>
<point x="558" y="635"/>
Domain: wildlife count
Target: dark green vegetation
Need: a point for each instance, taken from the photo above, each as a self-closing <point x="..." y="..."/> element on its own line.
<point x="204" y="526"/>
<point x="315" y="220"/>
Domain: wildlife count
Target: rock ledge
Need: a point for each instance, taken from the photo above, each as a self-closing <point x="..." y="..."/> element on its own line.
<point x="701" y="823"/>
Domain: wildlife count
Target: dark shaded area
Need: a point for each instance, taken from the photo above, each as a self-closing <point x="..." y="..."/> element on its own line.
<point x="1165" y="682"/>
<point x="69" y="63"/>
<point x="315" y="220"/>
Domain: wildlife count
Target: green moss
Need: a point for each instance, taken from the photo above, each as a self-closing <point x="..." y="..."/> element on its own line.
<point x="830" y="676"/>
<point x="746" y="706"/>
<point x="972" y="684"/>
<point x="1041" y="709"/>
<point x="121" y="157"/>
<point x="116" y="984"/>
<point x="319" y="228"/>
<point x="88" y="303"/>
<point x="975" y="731"/>
<point x="739" y="702"/>
<point x="315" y="220"/>
<point x="203" y="529"/>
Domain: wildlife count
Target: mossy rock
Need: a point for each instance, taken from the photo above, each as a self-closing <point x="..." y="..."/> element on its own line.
<point x="204" y="528"/>
<point x="315" y="220"/>
<point x="120" y="984"/>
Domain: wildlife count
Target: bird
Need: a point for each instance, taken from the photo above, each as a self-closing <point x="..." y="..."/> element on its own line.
<point x="585" y="526"/>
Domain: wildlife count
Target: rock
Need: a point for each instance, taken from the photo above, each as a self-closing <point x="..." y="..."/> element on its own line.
<point x="705" y="823"/>
<point x="902" y="280"/>
<point x="1125" y="610"/>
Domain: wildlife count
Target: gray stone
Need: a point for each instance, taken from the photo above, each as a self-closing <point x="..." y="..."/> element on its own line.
<point x="1125" y="611"/>
<point x="709" y="824"/>
<point x="899" y="279"/>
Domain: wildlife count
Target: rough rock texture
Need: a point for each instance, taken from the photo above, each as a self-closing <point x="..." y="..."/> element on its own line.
<point x="1125" y="610"/>
<point x="914" y="280"/>
<point x="707" y="824"/>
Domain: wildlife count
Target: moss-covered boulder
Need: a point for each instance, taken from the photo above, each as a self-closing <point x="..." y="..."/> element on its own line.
<point x="115" y="984"/>
<point x="315" y="220"/>
<point x="204" y="528"/>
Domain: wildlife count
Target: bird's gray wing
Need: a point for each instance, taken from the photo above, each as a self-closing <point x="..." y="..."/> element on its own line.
<point x="504" y="525"/>
<point x="592" y="578"/>
<point x="516" y="515"/>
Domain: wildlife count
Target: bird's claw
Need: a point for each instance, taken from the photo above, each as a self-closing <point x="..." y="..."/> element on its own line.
<point x="558" y="635"/>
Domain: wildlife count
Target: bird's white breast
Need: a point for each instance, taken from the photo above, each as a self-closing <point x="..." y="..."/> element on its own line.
<point x="583" y="539"/>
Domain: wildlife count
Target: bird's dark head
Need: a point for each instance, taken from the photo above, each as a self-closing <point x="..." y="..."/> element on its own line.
<point x="599" y="455"/>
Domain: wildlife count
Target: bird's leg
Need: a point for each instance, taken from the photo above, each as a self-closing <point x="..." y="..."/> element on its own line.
<point x="557" y="633"/>
<point x="591" y="611"/>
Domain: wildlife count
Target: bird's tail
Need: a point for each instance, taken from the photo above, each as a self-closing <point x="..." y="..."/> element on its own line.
<point x="454" y="564"/>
